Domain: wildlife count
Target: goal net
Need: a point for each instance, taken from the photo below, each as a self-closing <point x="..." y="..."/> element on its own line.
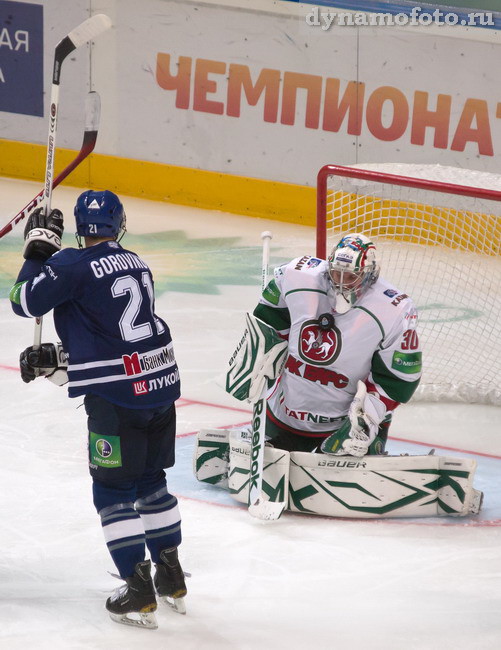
<point x="439" y="242"/>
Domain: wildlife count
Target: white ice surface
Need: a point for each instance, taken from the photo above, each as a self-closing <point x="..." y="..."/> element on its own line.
<point x="302" y="582"/>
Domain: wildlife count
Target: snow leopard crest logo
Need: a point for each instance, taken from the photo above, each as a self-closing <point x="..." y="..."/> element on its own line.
<point x="319" y="346"/>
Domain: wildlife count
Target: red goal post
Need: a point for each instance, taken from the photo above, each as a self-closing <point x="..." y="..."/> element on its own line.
<point x="440" y="242"/>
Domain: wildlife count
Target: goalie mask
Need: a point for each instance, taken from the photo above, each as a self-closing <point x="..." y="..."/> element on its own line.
<point x="353" y="269"/>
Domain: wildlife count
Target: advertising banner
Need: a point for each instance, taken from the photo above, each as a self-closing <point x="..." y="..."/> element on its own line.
<point x="21" y="58"/>
<point x="268" y="90"/>
<point x="276" y="96"/>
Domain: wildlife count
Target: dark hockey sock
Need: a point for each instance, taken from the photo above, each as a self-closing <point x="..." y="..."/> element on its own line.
<point x="161" y="520"/>
<point x="122" y="527"/>
<point x="124" y="535"/>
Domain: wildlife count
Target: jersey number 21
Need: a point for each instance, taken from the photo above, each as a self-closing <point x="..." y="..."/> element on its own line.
<point x="130" y="329"/>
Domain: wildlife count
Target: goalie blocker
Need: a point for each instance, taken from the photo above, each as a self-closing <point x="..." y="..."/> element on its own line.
<point x="259" y="358"/>
<point x="341" y="486"/>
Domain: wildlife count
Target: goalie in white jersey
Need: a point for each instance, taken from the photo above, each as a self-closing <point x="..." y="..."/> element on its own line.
<point x="342" y="345"/>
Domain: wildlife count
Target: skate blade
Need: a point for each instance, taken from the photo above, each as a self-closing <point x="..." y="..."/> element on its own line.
<point x="137" y="619"/>
<point x="176" y="604"/>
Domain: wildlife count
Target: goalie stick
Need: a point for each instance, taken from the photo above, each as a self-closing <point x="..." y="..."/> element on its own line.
<point x="92" y="113"/>
<point x="258" y="506"/>
<point x="82" y="34"/>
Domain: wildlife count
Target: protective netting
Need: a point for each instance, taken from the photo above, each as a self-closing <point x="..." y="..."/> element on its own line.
<point x="440" y="244"/>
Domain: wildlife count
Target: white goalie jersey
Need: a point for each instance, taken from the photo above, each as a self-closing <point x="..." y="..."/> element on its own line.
<point x="328" y="353"/>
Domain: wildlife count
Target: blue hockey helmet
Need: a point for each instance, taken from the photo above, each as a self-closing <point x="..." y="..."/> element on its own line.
<point x="99" y="214"/>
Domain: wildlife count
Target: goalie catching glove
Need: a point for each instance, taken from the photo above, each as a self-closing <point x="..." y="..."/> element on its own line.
<point x="48" y="361"/>
<point x="42" y="234"/>
<point x="259" y="357"/>
<point x="360" y="429"/>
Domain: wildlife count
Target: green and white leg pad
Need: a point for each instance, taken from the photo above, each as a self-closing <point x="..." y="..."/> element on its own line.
<point x="385" y="486"/>
<point x="275" y="469"/>
<point x="223" y="458"/>
<point x="341" y="486"/>
<point x="212" y="455"/>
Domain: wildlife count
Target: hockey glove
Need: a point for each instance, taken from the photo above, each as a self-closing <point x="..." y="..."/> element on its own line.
<point x="360" y="429"/>
<point x="260" y="356"/>
<point x="42" y="234"/>
<point x="48" y="361"/>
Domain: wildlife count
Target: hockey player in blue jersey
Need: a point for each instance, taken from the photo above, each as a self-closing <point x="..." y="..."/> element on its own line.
<point x="118" y="354"/>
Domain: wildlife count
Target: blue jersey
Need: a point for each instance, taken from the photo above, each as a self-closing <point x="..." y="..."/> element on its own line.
<point x="103" y="302"/>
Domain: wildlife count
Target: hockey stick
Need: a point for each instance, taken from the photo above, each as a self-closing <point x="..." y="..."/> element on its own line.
<point x="85" y="32"/>
<point x="258" y="506"/>
<point x="92" y="113"/>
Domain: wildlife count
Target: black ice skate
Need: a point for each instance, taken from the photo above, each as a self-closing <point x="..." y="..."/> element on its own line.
<point x="134" y="602"/>
<point x="169" y="580"/>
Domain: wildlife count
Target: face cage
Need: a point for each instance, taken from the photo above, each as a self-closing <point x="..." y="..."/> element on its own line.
<point x="353" y="293"/>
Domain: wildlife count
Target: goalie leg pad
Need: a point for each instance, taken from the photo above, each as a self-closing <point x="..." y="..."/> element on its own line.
<point x="385" y="486"/>
<point x="456" y="494"/>
<point x="211" y="456"/>
<point x="337" y="486"/>
<point x="275" y="472"/>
